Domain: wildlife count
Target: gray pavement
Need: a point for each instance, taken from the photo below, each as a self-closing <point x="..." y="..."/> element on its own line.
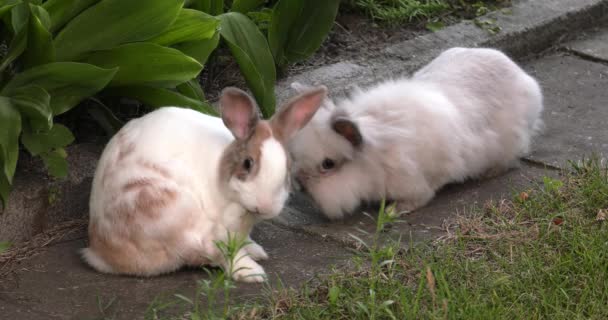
<point x="55" y="284"/>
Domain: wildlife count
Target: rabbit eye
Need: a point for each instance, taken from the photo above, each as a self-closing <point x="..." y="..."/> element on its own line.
<point x="328" y="164"/>
<point x="248" y="164"/>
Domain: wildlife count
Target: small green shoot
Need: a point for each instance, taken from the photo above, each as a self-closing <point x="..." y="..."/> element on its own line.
<point x="4" y="245"/>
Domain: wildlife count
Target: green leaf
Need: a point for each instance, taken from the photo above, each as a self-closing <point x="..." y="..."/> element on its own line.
<point x="4" y="245"/>
<point x="62" y="11"/>
<point x="38" y="143"/>
<point x="159" y="97"/>
<point x="199" y="50"/>
<point x="212" y="7"/>
<point x="113" y="22"/>
<point x="192" y="89"/>
<point x="56" y="163"/>
<point x="39" y="49"/>
<point x="191" y="25"/>
<point x="67" y="82"/>
<point x="250" y="49"/>
<point x="20" y="16"/>
<point x="244" y="6"/>
<point x="5" y="188"/>
<point x="299" y="27"/>
<point x="19" y="20"/>
<point x="333" y="295"/>
<point x="42" y="15"/>
<point x="435" y="26"/>
<point x="170" y="68"/>
<point x="35" y="103"/>
<point x="6" y="6"/>
<point x="10" y="122"/>
<point x="15" y="49"/>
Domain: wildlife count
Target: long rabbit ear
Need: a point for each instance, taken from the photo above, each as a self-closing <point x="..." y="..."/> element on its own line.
<point x="296" y="113"/>
<point x="347" y="129"/>
<point x="239" y="112"/>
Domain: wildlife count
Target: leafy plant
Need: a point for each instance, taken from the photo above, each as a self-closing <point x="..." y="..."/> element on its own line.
<point x="64" y="51"/>
<point x="61" y="52"/>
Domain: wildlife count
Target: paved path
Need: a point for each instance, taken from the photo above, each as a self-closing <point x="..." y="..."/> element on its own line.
<point x="56" y="285"/>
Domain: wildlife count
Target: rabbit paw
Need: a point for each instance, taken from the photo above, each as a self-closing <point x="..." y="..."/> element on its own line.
<point x="255" y="251"/>
<point x="248" y="270"/>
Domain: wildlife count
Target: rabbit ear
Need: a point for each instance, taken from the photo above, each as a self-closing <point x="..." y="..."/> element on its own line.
<point x="239" y="112"/>
<point x="347" y="129"/>
<point x="296" y="113"/>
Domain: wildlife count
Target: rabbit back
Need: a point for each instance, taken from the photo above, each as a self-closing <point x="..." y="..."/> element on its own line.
<point x="152" y="200"/>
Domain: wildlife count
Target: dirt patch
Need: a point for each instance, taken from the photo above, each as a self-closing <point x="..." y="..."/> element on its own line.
<point x="11" y="258"/>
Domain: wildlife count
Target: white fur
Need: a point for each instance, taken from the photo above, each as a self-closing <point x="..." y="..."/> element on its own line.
<point x="188" y="145"/>
<point x="271" y="179"/>
<point x="467" y="112"/>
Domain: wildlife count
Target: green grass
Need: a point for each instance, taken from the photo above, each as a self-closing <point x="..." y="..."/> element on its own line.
<point x="397" y="12"/>
<point x="541" y="255"/>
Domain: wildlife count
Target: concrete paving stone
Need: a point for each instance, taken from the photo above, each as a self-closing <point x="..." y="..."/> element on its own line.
<point x="594" y="46"/>
<point x="525" y="27"/>
<point x="426" y="223"/>
<point x="576" y="109"/>
<point x="56" y="284"/>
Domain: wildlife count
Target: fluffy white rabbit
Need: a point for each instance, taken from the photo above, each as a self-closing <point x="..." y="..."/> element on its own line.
<point x="173" y="182"/>
<point x="469" y="112"/>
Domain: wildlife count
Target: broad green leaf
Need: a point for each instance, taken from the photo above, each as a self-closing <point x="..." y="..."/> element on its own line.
<point x="10" y="122"/>
<point x="199" y="50"/>
<point x="159" y="97"/>
<point x="42" y="15"/>
<point x="104" y="117"/>
<point x="62" y="11"/>
<point x="38" y="143"/>
<point x="20" y="16"/>
<point x="299" y="27"/>
<point x="4" y="245"/>
<point x="250" y="49"/>
<point x="34" y="103"/>
<point x="5" y="187"/>
<point x="40" y="49"/>
<point x="67" y="82"/>
<point x="191" y="25"/>
<point x="15" y="49"/>
<point x="244" y="6"/>
<point x="212" y="7"/>
<point x="113" y="22"/>
<point x="56" y="163"/>
<point x="6" y="6"/>
<point x="192" y="89"/>
<point x="145" y="63"/>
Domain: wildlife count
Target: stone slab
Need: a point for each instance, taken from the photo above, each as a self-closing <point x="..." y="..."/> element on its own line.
<point x="428" y="222"/>
<point x="576" y="108"/>
<point x="38" y="202"/>
<point x="594" y="46"/>
<point x="56" y="284"/>
<point x="526" y="27"/>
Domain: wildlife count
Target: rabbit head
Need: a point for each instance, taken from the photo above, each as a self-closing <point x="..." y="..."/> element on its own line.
<point x="254" y="167"/>
<point x="328" y="159"/>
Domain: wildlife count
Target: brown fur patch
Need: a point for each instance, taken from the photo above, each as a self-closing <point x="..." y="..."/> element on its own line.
<point x="235" y="154"/>
<point x="151" y="197"/>
<point x="118" y="252"/>
<point x="125" y="151"/>
<point x="154" y="168"/>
